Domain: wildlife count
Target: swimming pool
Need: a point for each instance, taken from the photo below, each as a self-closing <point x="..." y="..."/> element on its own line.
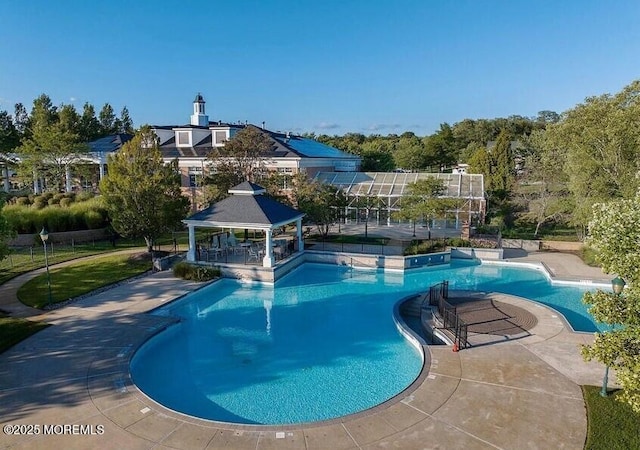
<point x="319" y="345"/>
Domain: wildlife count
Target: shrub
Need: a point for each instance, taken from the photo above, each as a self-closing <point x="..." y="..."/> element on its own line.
<point x="53" y="201"/>
<point x="56" y="219"/>
<point x="458" y="242"/>
<point x="84" y="196"/>
<point x="65" y="202"/>
<point x="39" y="202"/>
<point x="93" y="219"/>
<point x="193" y="272"/>
<point x="23" y="201"/>
<point x="428" y="246"/>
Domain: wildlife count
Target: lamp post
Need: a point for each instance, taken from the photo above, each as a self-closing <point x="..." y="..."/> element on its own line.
<point x="617" y="285"/>
<point x="45" y="237"/>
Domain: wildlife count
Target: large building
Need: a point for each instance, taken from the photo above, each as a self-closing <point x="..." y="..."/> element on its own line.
<point x="191" y="145"/>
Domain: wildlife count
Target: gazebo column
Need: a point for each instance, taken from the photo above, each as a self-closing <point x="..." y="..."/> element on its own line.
<point x="7" y="182"/>
<point x="191" y="254"/>
<point x="299" y="234"/>
<point x="67" y="177"/>
<point x="101" y="167"/>
<point x="268" y="260"/>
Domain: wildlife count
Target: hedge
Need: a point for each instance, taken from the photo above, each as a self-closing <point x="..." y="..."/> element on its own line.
<point x="67" y="216"/>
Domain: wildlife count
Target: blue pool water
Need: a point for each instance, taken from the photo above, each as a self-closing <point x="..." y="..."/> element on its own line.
<point x="319" y="345"/>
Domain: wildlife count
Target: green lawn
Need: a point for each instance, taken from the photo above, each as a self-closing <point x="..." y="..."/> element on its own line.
<point x="25" y="259"/>
<point x="14" y="330"/>
<point x="81" y="278"/>
<point x="612" y="424"/>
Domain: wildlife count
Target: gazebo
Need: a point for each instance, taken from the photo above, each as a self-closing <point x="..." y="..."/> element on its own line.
<point x="246" y="209"/>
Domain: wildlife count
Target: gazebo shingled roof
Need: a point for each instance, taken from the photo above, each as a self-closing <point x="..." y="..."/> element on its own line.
<point x="241" y="210"/>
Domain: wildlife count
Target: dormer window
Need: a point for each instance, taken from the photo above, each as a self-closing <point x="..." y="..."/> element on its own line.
<point x="220" y="137"/>
<point x="183" y="138"/>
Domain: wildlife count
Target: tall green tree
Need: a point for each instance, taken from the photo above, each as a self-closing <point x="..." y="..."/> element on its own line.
<point x="6" y="233"/>
<point x="107" y="119"/>
<point x="143" y="194"/>
<point x="503" y="173"/>
<point x="614" y="234"/>
<point x="126" y="123"/>
<point x="9" y="137"/>
<point x="240" y="159"/>
<point x="541" y="190"/>
<point x="51" y="146"/>
<point x="424" y="201"/>
<point x="601" y="138"/>
<point x="441" y="148"/>
<point x="322" y="203"/>
<point x="89" y="125"/>
<point x="366" y="204"/>
<point x="21" y="118"/>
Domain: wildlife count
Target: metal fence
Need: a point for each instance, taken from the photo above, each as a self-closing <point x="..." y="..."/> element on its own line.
<point x="451" y="321"/>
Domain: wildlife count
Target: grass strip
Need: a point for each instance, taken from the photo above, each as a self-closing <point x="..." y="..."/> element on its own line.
<point x="81" y="278"/>
<point x="14" y="330"/>
<point x="611" y="424"/>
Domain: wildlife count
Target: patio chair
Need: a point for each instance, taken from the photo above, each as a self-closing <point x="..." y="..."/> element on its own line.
<point x="253" y="254"/>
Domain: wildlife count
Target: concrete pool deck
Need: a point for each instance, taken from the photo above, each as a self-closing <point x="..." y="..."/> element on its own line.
<point x="520" y="393"/>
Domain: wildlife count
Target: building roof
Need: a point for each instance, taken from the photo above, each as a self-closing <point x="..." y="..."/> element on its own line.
<point x="109" y="144"/>
<point x="246" y="211"/>
<point x="394" y="184"/>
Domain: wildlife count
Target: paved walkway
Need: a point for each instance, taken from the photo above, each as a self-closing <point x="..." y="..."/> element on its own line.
<point x="9" y="302"/>
<point x="518" y="393"/>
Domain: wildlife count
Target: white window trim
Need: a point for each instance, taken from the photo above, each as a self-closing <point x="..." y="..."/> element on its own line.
<point x="189" y="134"/>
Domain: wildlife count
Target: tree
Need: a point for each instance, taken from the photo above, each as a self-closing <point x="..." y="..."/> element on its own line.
<point x="320" y="202"/>
<point x="503" y="173"/>
<point x="143" y="194"/>
<point x="614" y="234"/>
<point x="601" y="138"/>
<point x="440" y="148"/>
<point x="126" y="124"/>
<point x="241" y="159"/>
<point x="424" y="201"/>
<point x="107" y="119"/>
<point x="366" y="203"/>
<point x="410" y="154"/>
<point x="21" y="118"/>
<point x="52" y="145"/>
<point x="9" y="136"/>
<point x="541" y="190"/>
<point x="89" y="125"/>
<point x="6" y="233"/>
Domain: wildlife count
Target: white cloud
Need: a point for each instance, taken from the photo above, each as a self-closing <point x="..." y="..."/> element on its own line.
<point x="327" y="126"/>
<point x="72" y="99"/>
<point x="383" y="126"/>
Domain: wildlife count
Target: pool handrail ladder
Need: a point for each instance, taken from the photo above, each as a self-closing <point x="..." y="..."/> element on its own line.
<point x="446" y="314"/>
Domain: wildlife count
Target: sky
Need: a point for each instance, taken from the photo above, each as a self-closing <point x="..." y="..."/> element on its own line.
<point x="325" y="66"/>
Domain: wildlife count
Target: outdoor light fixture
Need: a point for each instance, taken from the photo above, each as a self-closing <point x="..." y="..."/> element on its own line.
<point x="45" y="237"/>
<point x="617" y="285"/>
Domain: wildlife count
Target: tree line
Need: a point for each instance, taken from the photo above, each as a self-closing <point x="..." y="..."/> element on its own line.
<point x="49" y="140"/>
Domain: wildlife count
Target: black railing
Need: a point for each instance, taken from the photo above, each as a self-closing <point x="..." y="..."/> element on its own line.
<point x="451" y="321"/>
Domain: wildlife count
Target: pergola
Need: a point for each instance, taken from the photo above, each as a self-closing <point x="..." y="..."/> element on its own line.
<point x="389" y="188"/>
<point x="246" y="209"/>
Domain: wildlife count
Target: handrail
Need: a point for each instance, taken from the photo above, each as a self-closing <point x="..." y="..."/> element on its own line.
<point x="438" y="295"/>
